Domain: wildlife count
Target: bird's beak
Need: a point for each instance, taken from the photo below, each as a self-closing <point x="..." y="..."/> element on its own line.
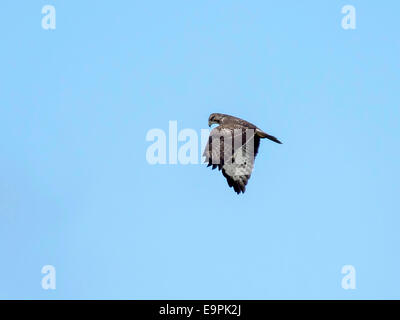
<point x="209" y="123"/>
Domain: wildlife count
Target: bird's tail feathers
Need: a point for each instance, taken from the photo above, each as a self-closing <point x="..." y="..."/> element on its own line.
<point x="262" y="134"/>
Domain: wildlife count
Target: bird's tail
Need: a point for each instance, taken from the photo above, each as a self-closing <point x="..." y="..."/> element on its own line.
<point x="262" y="134"/>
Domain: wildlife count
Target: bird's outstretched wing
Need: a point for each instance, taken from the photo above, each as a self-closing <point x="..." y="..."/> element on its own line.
<point x="233" y="149"/>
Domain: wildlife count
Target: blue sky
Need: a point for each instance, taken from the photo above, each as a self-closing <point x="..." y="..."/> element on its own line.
<point x="76" y="191"/>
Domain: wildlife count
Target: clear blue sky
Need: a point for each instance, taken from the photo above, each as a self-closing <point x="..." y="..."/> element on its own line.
<point x="76" y="191"/>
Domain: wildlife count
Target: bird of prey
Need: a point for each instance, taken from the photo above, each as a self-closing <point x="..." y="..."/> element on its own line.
<point x="232" y="148"/>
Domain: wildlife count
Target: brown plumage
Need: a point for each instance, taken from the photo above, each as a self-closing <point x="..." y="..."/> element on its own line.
<point x="232" y="148"/>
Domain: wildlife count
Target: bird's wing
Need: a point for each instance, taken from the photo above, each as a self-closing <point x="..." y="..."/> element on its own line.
<point x="234" y="153"/>
<point x="222" y="143"/>
<point x="238" y="172"/>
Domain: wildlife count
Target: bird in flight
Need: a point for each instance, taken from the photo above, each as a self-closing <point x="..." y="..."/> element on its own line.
<point x="232" y="148"/>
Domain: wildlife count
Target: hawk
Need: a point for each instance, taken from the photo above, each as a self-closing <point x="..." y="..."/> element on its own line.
<point x="232" y="148"/>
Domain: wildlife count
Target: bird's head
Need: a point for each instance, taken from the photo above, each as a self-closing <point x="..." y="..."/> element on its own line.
<point x="215" y="118"/>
